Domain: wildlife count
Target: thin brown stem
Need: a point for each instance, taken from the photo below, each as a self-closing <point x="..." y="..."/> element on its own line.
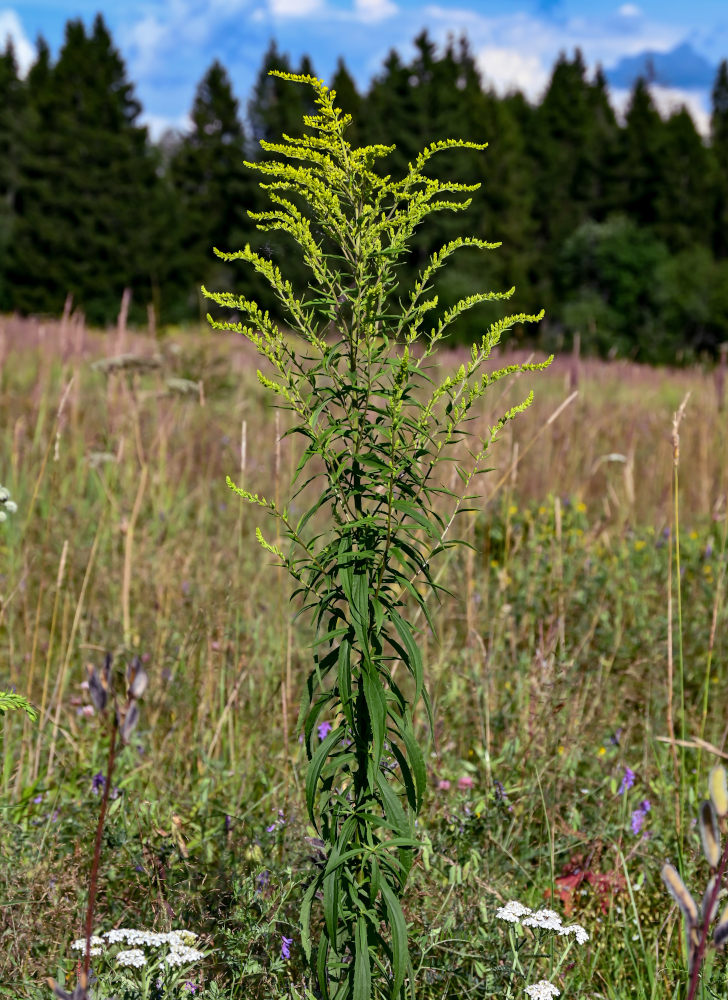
<point x="697" y="958"/>
<point x="93" y="878"/>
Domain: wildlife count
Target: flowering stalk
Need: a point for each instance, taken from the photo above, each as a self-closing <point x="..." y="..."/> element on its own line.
<point x="122" y="724"/>
<point x="515" y="913"/>
<point x="376" y="425"/>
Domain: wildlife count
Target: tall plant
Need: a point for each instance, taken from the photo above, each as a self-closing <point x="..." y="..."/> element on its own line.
<point x="378" y="421"/>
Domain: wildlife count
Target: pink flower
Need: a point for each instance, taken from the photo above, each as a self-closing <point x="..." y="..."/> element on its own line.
<point x="465" y="782"/>
<point x="443" y="785"/>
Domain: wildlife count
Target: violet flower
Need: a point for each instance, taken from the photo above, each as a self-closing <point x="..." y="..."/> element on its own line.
<point x="627" y="781"/>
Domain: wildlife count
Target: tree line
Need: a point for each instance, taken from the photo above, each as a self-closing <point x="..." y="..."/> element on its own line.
<point x="618" y="228"/>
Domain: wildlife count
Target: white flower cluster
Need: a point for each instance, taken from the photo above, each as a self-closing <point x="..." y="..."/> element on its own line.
<point x="542" y="990"/>
<point x="513" y="911"/>
<point x="516" y="913"/>
<point x="6" y="504"/>
<point x="150" y="939"/>
<point x="96" y="944"/>
<point x="182" y="955"/>
<point x="180" y="945"/>
<point x="132" y="957"/>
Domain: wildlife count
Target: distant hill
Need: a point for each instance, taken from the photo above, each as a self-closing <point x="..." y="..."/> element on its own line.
<point x="682" y="67"/>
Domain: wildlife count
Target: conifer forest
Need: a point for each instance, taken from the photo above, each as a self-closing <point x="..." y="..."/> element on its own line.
<point x="619" y="229"/>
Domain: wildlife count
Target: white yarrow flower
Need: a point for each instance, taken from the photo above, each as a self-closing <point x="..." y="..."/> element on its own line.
<point x="513" y="911"/>
<point x="133" y="957"/>
<point x="183" y="956"/>
<point x="117" y="935"/>
<point x="542" y="990"/>
<point x="96" y="944"/>
<point x="578" y="931"/>
<point x="546" y="919"/>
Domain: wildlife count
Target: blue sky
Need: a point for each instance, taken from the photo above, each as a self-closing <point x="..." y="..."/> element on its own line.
<point x="168" y="44"/>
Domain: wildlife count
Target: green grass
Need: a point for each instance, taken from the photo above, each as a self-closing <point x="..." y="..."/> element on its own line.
<point x="548" y="676"/>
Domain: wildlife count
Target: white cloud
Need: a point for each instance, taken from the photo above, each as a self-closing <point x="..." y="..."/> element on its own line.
<point x="667" y="100"/>
<point x="510" y="69"/>
<point x="171" y="32"/>
<point x="159" y="124"/>
<point x="521" y="49"/>
<point x="295" y="8"/>
<point x="11" y="28"/>
<point x="371" y="11"/>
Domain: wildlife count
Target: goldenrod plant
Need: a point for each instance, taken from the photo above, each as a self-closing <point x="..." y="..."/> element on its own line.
<point x="378" y="421"/>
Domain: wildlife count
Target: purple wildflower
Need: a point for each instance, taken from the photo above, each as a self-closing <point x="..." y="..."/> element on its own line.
<point x="286" y="946"/>
<point x="97" y="782"/>
<point x="638" y="816"/>
<point x="627" y="781"/>
<point x="281" y="821"/>
<point x="323" y="730"/>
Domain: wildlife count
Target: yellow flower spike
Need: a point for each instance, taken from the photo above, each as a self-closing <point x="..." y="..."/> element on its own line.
<point x="718" y="789"/>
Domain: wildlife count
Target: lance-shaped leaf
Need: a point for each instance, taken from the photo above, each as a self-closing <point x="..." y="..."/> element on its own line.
<point x="718" y="789"/>
<point x="680" y="893"/>
<point x="709" y="836"/>
<point x="721" y="930"/>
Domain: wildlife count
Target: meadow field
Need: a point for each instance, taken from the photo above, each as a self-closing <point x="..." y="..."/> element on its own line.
<point x="580" y="638"/>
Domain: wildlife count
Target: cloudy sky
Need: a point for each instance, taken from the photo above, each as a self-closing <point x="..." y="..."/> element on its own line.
<point x="168" y="44"/>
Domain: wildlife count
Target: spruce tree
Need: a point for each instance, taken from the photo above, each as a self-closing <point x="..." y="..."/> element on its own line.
<point x="641" y="175"/>
<point x="683" y="202"/>
<point x="211" y="183"/>
<point x="12" y="130"/>
<point x="348" y="98"/>
<point x="89" y="198"/>
<point x="570" y="140"/>
<point x="273" y="110"/>
<point x="719" y="156"/>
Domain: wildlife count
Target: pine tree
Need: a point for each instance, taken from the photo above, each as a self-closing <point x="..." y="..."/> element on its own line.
<point x="89" y="198"/>
<point x="719" y="158"/>
<point x="12" y="130"/>
<point x="212" y="184"/>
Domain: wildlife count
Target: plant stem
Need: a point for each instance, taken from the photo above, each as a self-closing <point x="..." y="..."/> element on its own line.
<point x="697" y="958"/>
<point x="93" y="878"/>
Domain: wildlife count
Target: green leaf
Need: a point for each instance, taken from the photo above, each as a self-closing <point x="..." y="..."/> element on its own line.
<point x="362" y="965"/>
<point x="398" y="927"/>
<point x="305" y="918"/>
<point x="414" y="657"/>
<point x="315" y="767"/>
<point x="376" y="701"/>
